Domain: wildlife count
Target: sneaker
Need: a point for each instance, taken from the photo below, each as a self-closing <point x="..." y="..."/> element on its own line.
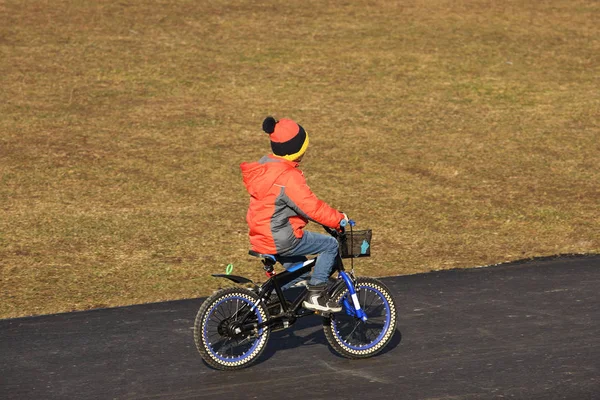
<point x="317" y="300"/>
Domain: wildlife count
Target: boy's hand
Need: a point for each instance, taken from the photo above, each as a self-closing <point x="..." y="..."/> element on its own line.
<point x="345" y="217"/>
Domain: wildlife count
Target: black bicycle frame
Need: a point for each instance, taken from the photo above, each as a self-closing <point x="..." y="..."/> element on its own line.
<point x="276" y="282"/>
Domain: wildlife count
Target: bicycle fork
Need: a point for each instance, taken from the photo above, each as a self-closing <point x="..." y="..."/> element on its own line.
<point x="358" y="311"/>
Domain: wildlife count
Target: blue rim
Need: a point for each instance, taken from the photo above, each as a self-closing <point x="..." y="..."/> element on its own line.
<point x="386" y="325"/>
<point x="249" y="351"/>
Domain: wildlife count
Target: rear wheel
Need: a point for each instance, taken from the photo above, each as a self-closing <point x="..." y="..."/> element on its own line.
<point x="351" y="337"/>
<point x="220" y="330"/>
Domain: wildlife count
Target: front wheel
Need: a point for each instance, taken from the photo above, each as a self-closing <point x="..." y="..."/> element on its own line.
<point x="351" y="337"/>
<point x="221" y="331"/>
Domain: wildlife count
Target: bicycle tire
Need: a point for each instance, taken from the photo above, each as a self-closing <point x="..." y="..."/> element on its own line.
<point x="341" y="328"/>
<point x="211" y="334"/>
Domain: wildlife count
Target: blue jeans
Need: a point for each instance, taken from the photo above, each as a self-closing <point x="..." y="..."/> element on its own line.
<point x="313" y="243"/>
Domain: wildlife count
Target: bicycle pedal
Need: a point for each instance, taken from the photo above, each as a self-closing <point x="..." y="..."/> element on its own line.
<point x="325" y="314"/>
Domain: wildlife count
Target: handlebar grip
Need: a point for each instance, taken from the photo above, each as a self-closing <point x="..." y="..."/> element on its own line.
<point x="343" y="222"/>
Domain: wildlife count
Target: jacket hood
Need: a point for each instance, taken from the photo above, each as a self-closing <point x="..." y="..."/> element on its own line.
<point x="260" y="176"/>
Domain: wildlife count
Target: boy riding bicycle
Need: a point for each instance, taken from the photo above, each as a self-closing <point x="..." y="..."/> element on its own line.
<point x="281" y="204"/>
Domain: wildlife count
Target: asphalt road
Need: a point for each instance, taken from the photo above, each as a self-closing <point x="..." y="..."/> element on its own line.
<point x="527" y="330"/>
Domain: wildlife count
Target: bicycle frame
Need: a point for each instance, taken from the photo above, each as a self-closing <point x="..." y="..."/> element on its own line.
<point x="359" y="312"/>
<point x="291" y="312"/>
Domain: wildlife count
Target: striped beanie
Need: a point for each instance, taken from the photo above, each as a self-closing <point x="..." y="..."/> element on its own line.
<point x="288" y="139"/>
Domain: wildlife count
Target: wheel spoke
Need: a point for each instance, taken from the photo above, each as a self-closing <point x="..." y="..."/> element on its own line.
<point x="221" y="344"/>
<point x="377" y="318"/>
<point x="218" y="310"/>
<point x="378" y="310"/>
<point x="355" y="326"/>
<point x="375" y="297"/>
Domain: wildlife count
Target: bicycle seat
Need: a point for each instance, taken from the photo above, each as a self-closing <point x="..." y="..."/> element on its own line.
<point x="271" y="257"/>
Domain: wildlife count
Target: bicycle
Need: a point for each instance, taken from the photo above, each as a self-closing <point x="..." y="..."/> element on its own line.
<point x="233" y="325"/>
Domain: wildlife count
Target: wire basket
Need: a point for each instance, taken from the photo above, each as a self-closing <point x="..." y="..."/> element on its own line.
<point x="355" y="243"/>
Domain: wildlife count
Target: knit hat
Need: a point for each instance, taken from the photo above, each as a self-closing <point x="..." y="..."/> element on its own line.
<point x="288" y="139"/>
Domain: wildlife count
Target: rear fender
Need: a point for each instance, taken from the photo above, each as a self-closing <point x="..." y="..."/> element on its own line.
<point x="234" y="278"/>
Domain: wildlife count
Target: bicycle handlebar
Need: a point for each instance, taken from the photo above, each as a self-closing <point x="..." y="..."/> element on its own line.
<point x="343" y="224"/>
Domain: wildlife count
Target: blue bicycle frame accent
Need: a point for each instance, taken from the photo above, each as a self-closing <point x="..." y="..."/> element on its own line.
<point x="350" y="285"/>
<point x="297" y="266"/>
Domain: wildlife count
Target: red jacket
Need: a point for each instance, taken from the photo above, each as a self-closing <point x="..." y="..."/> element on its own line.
<point x="281" y="204"/>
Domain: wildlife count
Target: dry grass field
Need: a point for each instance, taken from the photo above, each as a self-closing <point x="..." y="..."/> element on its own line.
<point x="463" y="132"/>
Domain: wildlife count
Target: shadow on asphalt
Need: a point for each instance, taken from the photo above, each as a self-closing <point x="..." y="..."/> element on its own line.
<point x="293" y="337"/>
